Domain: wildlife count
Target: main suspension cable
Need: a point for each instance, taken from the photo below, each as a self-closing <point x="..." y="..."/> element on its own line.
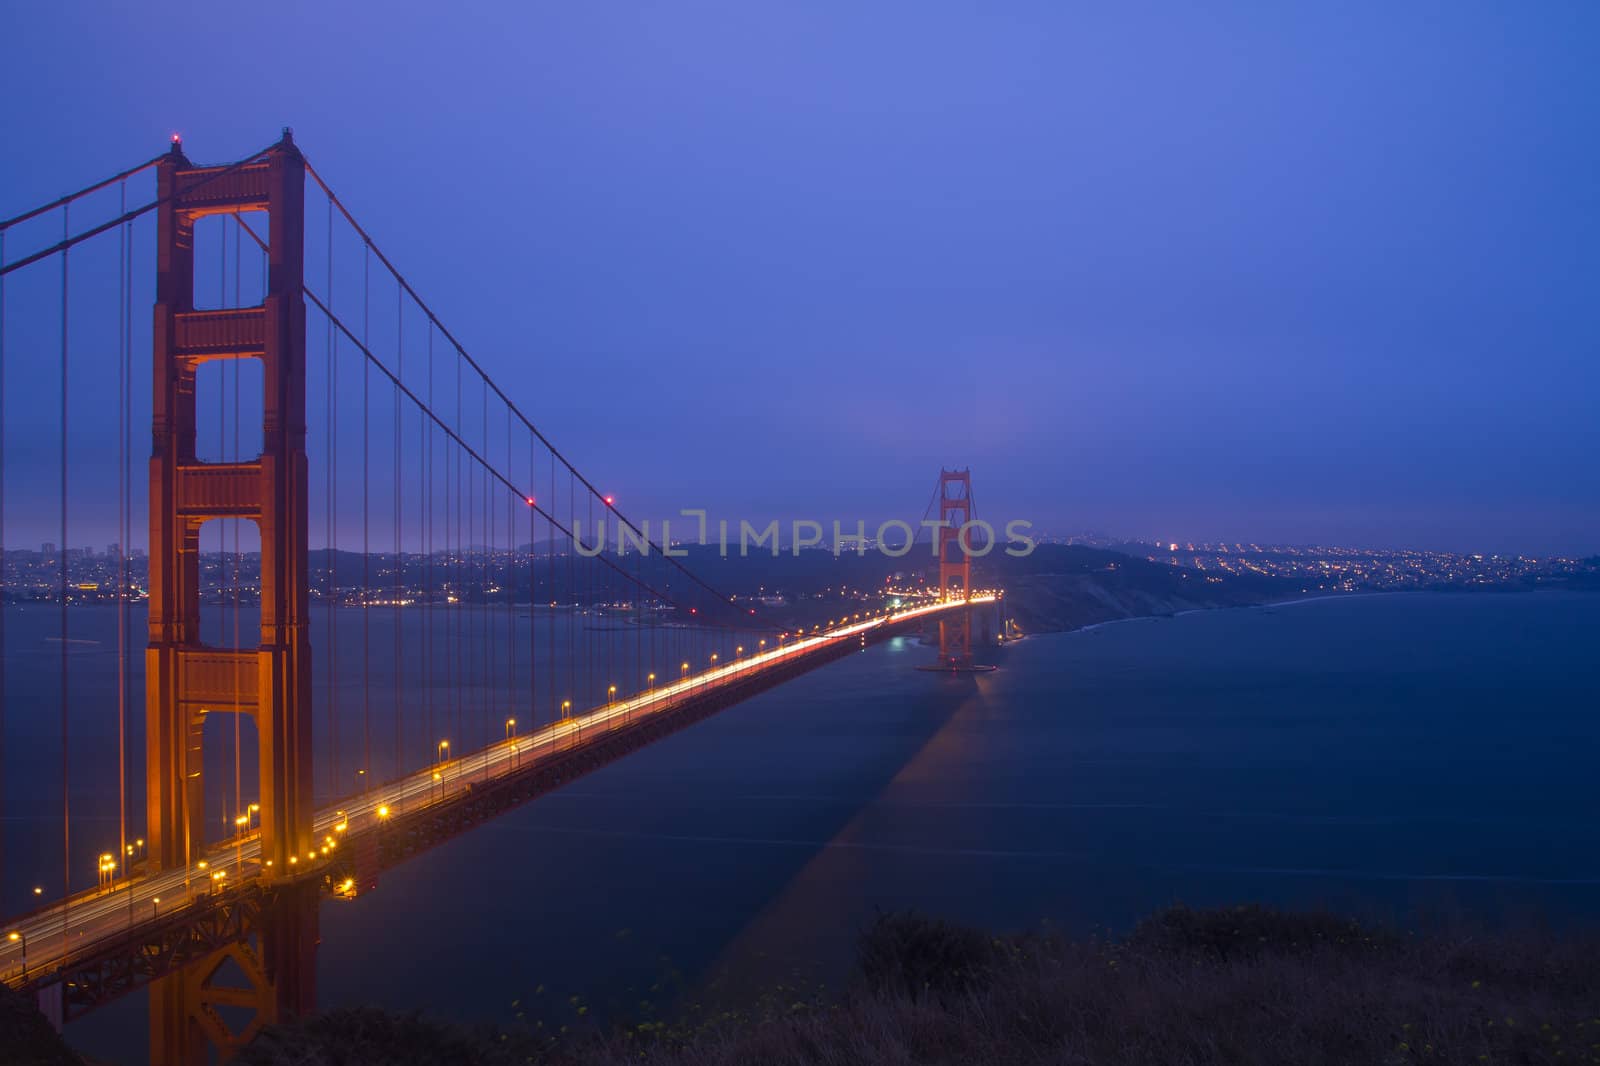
<point x="490" y="383"/>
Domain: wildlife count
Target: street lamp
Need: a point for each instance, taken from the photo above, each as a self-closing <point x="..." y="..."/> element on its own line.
<point x="14" y="937"/>
<point x="383" y="811"/>
<point x="685" y="670"/>
<point x="108" y="869"/>
<point x="444" y="750"/>
<point x="566" y="709"/>
<point x="155" y="906"/>
<point x="511" y="728"/>
<point x="651" y="680"/>
<point x="611" y="695"/>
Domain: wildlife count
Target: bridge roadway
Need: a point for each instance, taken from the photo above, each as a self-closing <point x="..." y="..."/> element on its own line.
<point x="69" y="928"/>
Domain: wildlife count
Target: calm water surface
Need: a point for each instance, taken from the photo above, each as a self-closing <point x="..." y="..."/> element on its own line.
<point x="1386" y="755"/>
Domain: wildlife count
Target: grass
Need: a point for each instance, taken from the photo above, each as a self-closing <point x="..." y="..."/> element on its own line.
<point x="1237" y="986"/>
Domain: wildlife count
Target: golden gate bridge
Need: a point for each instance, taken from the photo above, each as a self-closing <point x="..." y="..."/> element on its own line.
<point x="425" y="481"/>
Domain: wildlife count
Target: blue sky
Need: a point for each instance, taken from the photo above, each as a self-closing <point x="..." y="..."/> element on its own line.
<point x="1304" y="272"/>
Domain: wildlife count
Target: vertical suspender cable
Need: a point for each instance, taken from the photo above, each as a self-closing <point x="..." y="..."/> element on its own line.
<point x="366" y="529"/>
<point x="509" y="586"/>
<point x="428" y="605"/>
<point x="123" y="340"/>
<point x="126" y="533"/>
<point x="238" y="680"/>
<point x="458" y="566"/>
<point x="66" y="762"/>
<point x="2" y="556"/>
<point x="483" y="593"/>
<point x="399" y="679"/>
<point x="550" y="566"/>
<point x="572" y="592"/>
<point x="330" y="351"/>
<point x="533" y="589"/>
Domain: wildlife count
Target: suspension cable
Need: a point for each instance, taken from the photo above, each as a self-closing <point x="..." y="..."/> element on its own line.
<point x="68" y="242"/>
<point x="489" y="382"/>
<point x="121" y="176"/>
<point x="466" y="448"/>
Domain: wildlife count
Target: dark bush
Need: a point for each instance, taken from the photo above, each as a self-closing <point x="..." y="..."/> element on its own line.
<point x="1252" y="930"/>
<point x="908" y="954"/>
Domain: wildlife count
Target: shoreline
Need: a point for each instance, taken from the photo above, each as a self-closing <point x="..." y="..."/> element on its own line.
<point x="1297" y="601"/>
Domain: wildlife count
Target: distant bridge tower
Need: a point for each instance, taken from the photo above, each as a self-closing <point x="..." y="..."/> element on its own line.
<point x="955" y="567"/>
<point x="186" y="680"/>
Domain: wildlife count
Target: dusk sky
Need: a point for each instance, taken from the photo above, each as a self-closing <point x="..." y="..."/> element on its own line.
<point x="1293" y="273"/>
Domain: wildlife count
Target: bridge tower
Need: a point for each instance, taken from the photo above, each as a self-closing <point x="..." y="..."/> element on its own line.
<point x="185" y="679"/>
<point x="955" y="567"/>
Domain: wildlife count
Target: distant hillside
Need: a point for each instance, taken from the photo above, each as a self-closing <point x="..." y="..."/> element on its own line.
<point x="1060" y="587"/>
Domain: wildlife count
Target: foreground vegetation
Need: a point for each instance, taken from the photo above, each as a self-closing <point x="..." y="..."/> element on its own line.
<point x="1247" y="985"/>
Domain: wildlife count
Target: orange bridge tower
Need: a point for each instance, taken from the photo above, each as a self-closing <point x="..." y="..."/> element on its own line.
<point x="187" y="680"/>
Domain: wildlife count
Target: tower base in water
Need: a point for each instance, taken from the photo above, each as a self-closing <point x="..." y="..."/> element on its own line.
<point x="959" y="668"/>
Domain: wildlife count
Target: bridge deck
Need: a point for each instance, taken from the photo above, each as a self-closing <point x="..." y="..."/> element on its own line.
<point x="69" y="931"/>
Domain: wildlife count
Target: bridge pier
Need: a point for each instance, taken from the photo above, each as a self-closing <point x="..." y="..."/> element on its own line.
<point x="222" y="999"/>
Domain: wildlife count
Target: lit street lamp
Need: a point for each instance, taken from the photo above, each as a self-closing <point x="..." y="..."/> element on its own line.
<point x="511" y="728"/>
<point x="14" y="937"/>
<point x="611" y="695"/>
<point x="566" y="709"/>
